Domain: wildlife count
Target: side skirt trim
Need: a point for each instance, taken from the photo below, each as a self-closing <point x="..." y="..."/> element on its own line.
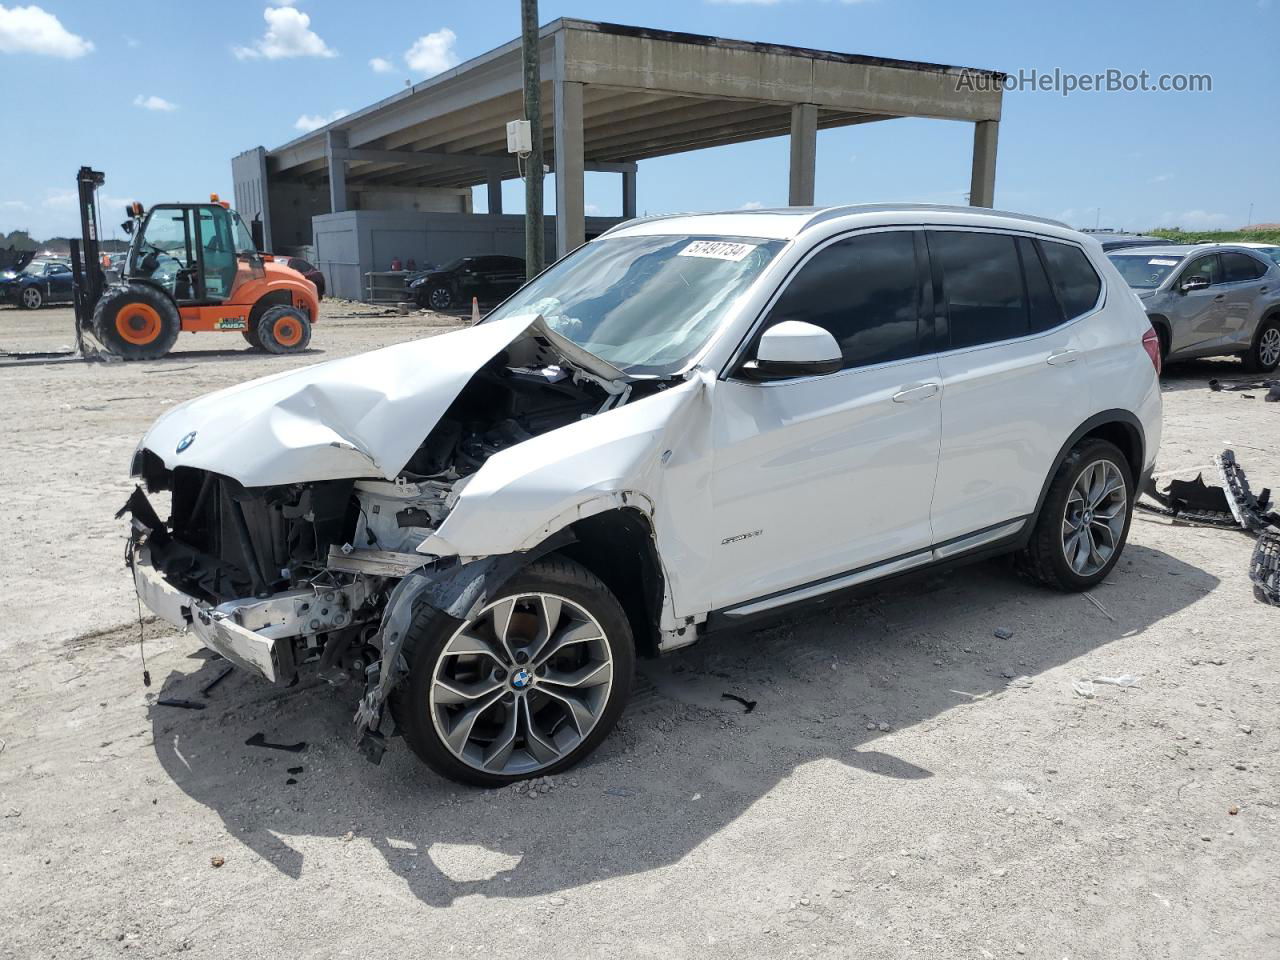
<point x="877" y="571"/>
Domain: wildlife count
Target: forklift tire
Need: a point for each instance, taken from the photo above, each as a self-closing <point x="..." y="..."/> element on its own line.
<point x="136" y="322"/>
<point x="283" y="330"/>
<point x="251" y="337"/>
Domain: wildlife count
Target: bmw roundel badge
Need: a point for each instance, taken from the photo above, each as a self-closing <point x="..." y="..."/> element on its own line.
<point x="186" y="441"/>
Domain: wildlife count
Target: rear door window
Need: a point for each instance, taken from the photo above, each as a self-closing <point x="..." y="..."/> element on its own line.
<point x="1046" y="313"/>
<point x="865" y="291"/>
<point x="982" y="284"/>
<point x="1239" y="267"/>
<point x="1074" y="279"/>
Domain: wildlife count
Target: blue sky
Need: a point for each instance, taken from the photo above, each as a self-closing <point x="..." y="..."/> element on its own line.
<point x="160" y="96"/>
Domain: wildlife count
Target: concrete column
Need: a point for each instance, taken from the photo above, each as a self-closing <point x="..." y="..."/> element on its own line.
<point x="804" y="154"/>
<point x="628" y="194"/>
<point x="571" y="228"/>
<point x="982" y="186"/>
<point x="336" y="142"/>
<point x="495" y="193"/>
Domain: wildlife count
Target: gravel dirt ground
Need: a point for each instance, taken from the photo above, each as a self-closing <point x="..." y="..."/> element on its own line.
<point x="917" y="779"/>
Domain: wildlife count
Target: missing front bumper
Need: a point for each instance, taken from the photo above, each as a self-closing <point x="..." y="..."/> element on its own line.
<point x="267" y="657"/>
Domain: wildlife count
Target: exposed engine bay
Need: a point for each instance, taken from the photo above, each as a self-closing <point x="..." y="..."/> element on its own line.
<point x="276" y="576"/>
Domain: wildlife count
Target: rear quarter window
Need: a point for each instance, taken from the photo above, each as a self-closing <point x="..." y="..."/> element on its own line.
<point x="1076" y="282"/>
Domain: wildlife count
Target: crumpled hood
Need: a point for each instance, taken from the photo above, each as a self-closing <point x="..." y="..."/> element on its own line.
<point x="360" y="416"/>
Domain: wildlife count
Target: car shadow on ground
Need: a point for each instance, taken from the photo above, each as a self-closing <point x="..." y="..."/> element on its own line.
<point x="684" y="763"/>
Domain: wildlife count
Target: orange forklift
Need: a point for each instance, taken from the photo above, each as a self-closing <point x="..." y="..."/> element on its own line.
<point x="190" y="266"/>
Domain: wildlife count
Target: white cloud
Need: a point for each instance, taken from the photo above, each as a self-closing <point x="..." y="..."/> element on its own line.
<point x="132" y="42"/>
<point x="1194" y="219"/>
<point x="381" y="65"/>
<point x="289" y="34"/>
<point x="60" y="199"/>
<point x="432" y="53"/>
<point x="1162" y="178"/>
<point x="154" y="103"/>
<point x="32" y="30"/>
<point x="14" y="205"/>
<point x="752" y="205"/>
<point x="308" y="122"/>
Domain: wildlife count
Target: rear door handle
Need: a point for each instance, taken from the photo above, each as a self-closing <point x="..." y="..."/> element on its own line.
<point x="1221" y="296"/>
<point x="915" y="391"/>
<point x="1061" y="357"/>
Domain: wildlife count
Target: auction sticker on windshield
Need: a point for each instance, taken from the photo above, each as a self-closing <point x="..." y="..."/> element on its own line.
<point x="717" y="249"/>
<point x="1160" y="262"/>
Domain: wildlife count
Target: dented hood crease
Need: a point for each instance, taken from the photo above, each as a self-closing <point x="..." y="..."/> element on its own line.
<point x="358" y="416"/>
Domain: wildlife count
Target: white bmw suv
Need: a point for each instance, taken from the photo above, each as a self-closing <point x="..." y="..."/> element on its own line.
<point x="688" y="422"/>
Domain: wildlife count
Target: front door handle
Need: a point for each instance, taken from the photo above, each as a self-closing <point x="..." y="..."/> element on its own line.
<point x="915" y="391"/>
<point x="1061" y="357"/>
<point x="1221" y="296"/>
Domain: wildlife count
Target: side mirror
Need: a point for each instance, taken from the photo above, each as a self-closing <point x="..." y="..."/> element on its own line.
<point x="127" y="227"/>
<point x="1194" y="283"/>
<point x="793" y="348"/>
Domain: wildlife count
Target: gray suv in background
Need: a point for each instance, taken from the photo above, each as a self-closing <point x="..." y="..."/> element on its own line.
<point x="1208" y="301"/>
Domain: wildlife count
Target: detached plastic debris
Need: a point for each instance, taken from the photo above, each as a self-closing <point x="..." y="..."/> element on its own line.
<point x="1087" y="686"/>
<point x="1252" y="513"/>
<point x="1264" y="568"/>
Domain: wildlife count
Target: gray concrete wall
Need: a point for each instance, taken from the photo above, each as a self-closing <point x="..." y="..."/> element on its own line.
<point x="352" y="243"/>
<point x="249" y="181"/>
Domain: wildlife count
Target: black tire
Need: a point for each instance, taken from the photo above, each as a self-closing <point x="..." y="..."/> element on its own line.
<point x="431" y="631"/>
<point x="30" y="298"/>
<point x="1265" y="341"/>
<point x="136" y="322"/>
<point x="1044" y="557"/>
<point x="439" y="298"/>
<point x="282" y="329"/>
<point x="251" y="337"/>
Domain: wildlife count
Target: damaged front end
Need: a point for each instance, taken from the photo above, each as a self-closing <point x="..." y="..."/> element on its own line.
<point x="274" y="570"/>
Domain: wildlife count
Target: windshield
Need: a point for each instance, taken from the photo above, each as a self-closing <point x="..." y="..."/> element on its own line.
<point x="35" y="268"/>
<point x="1146" y="271"/>
<point x="1272" y="252"/>
<point x="644" y="304"/>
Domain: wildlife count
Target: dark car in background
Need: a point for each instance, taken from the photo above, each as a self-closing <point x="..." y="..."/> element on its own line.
<point x="40" y="282"/>
<point x="488" y="279"/>
<point x="307" y="270"/>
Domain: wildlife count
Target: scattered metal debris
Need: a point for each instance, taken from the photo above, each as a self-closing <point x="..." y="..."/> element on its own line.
<point x="260" y="740"/>
<point x="226" y="671"/>
<point x="1235" y="386"/>
<point x="1098" y="603"/>
<point x="749" y="704"/>
<point x="180" y="703"/>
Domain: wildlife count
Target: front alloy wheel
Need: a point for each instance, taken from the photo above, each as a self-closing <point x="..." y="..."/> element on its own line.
<point x="527" y="686"/>
<point x="522" y="685"/>
<point x="32" y="298"/>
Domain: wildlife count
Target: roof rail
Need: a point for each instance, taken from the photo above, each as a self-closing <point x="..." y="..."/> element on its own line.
<point x="832" y="213"/>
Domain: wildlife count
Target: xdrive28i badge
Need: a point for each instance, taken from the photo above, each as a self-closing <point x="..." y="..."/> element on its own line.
<point x="186" y="441"/>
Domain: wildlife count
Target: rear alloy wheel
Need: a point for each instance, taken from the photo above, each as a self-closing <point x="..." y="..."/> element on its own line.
<point x="1264" y="355"/>
<point x="31" y="298"/>
<point x="439" y="298"/>
<point x="526" y="687"/>
<point x="136" y="322"/>
<point x="1084" y="522"/>
<point x="283" y="329"/>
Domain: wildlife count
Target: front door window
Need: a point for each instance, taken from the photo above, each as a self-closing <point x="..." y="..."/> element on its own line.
<point x="218" y="250"/>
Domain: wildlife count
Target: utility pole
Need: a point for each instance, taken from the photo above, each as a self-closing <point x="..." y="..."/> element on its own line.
<point x="534" y="233"/>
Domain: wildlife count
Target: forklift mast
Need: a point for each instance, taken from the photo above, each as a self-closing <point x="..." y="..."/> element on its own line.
<point x="86" y="267"/>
